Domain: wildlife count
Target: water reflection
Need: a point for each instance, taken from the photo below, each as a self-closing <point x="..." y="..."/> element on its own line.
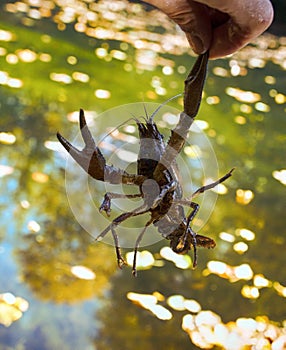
<point x="11" y="308"/>
<point x="52" y="278"/>
<point x="59" y="266"/>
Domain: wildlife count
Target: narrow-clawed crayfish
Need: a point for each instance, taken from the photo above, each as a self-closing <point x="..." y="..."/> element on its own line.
<point x="156" y="176"/>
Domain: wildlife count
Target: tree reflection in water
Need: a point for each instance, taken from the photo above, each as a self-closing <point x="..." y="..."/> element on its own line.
<point x="47" y="258"/>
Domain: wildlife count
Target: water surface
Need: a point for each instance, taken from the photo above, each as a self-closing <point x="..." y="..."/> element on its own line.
<point x="67" y="293"/>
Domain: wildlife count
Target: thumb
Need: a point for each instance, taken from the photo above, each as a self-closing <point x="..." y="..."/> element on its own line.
<point x="192" y="17"/>
<point x="247" y="20"/>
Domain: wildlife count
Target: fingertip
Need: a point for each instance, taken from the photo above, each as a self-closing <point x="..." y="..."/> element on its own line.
<point x="227" y="39"/>
<point x="199" y="45"/>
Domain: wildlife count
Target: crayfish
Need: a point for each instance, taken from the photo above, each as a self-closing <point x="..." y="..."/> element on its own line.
<point x="156" y="176"/>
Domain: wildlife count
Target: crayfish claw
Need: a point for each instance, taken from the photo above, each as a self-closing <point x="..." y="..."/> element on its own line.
<point x="106" y="204"/>
<point x="195" y="263"/>
<point x="73" y="151"/>
<point x="194" y="85"/>
<point x="121" y="262"/>
<point x="105" y="208"/>
<point x="85" y="132"/>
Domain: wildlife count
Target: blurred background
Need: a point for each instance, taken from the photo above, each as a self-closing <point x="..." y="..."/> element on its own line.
<point x="59" y="291"/>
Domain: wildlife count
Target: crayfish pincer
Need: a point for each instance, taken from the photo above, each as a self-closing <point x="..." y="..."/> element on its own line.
<point x="156" y="178"/>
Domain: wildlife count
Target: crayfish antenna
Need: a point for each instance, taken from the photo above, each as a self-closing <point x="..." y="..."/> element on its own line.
<point x="150" y="120"/>
<point x="146" y="113"/>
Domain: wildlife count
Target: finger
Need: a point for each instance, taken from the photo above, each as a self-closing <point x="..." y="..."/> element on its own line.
<point x="247" y="20"/>
<point x="192" y="17"/>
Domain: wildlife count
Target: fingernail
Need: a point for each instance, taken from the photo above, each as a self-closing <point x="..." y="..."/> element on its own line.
<point x="196" y="43"/>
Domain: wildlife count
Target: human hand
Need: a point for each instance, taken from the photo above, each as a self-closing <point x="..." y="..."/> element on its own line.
<point x="220" y="26"/>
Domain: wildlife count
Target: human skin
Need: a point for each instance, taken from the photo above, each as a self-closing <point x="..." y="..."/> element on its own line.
<point x="220" y="26"/>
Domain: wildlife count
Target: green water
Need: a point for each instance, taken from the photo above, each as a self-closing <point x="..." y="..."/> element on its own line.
<point x="40" y="239"/>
